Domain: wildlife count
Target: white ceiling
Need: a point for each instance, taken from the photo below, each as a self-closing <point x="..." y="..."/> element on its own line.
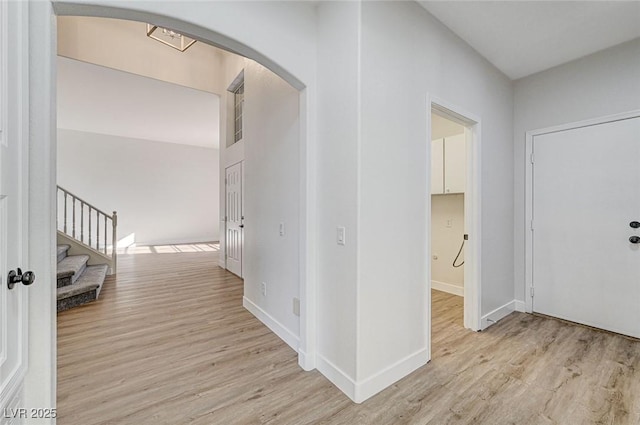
<point x="524" y="37"/>
<point x="102" y="100"/>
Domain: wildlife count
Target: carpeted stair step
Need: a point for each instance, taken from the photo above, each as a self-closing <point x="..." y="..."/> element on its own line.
<point x="62" y="252"/>
<point x="70" y="269"/>
<point x="86" y="289"/>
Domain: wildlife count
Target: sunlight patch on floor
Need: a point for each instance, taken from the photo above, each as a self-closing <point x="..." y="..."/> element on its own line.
<point x="171" y="249"/>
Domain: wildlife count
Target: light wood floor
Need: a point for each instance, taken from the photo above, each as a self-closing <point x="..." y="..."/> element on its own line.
<point x="168" y="342"/>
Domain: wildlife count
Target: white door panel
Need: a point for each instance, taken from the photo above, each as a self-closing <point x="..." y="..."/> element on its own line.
<point x="13" y="235"/>
<point x="586" y="191"/>
<point x="234" y="212"/>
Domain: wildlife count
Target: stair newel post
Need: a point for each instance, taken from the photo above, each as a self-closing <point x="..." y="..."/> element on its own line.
<point x="114" y="242"/>
<point x="65" y="212"/>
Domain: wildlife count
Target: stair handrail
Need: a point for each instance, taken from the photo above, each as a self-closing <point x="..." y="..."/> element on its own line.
<point x="105" y="217"/>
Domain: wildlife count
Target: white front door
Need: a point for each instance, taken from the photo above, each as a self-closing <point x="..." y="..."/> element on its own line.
<point x="235" y="219"/>
<point x="586" y="194"/>
<point x="13" y="208"/>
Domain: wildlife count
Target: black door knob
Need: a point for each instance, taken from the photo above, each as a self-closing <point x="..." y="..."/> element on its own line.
<point x="634" y="224"/>
<point x="17" y="276"/>
<point x="634" y="239"/>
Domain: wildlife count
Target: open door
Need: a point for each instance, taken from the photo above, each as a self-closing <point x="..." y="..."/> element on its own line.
<point x="13" y="210"/>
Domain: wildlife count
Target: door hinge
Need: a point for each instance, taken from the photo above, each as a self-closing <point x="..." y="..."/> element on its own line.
<point x="531" y="157"/>
<point x="531" y="291"/>
<point x="531" y="225"/>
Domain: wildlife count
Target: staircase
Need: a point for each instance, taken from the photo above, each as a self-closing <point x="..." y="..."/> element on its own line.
<point x="86" y="250"/>
<point x="78" y="283"/>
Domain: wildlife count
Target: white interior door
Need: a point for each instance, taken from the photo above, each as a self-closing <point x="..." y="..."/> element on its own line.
<point x="13" y="234"/>
<point x="235" y="218"/>
<point x="586" y="192"/>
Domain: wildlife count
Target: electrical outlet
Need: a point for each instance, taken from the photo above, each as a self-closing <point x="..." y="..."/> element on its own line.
<point x="296" y="306"/>
<point x="450" y="222"/>
<point x="263" y="289"/>
<point x="281" y="229"/>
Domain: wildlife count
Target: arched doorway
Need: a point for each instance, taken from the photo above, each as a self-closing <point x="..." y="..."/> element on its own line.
<point x="220" y="32"/>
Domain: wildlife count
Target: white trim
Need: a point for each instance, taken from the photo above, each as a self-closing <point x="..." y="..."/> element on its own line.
<point x="40" y="381"/>
<point x="499" y="313"/>
<point x="528" y="200"/>
<point x="305" y="361"/>
<point x="363" y="390"/>
<point x="448" y="288"/>
<point x="383" y="379"/>
<point x="472" y="213"/>
<point x="308" y="228"/>
<point x="237" y="82"/>
<point x="269" y="321"/>
<point x="520" y="306"/>
<point x="334" y="374"/>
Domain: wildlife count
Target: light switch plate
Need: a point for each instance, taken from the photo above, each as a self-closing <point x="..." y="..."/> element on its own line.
<point x="341" y="235"/>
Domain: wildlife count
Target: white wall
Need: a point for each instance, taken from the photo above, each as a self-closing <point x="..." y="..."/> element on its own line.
<point x="605" y="83"/>
<point x="123" y="45"/>
<point x="338" y="196"/>
<point x="406" y="55"/>
<point x="96" y="99"/>
<point x="446" y="240"/>
<point x="163" y="192"/>
<point x="270" y="149"/>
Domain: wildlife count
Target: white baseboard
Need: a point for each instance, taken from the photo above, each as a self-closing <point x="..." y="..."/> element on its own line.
<point x="497" y="314"/>
<point x="521" y="306"/>
<point x="278" y="328"/>
<point x="305" y="361"/>
<point x="334" y="374"/>
<point x="363" y="390"/>
<point x="383" y="379"/>
<point x="448" y="287"/>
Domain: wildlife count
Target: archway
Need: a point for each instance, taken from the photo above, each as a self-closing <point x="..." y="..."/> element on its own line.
<point x="42" y="54"/>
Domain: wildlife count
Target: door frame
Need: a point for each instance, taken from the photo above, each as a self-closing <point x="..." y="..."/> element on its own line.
<point x="40" y="383"/>
<point x="472" y="210"/>
<point x="529" y="189"/>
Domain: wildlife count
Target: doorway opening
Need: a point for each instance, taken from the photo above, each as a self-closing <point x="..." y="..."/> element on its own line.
<point x="454" y="211"/>
<point x="274" y="200"/>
